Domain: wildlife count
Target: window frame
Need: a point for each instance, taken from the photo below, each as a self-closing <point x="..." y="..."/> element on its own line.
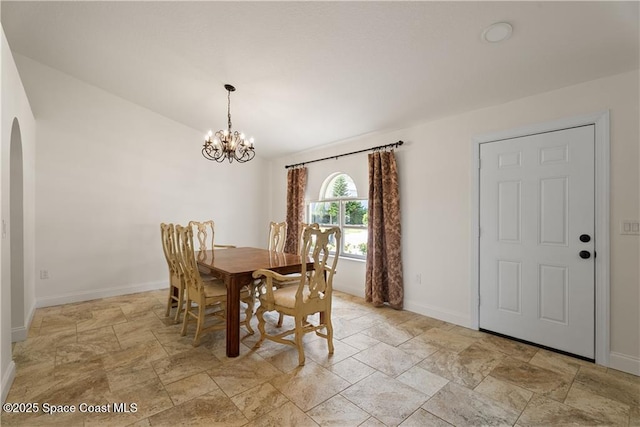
<point x="341" y="220"/>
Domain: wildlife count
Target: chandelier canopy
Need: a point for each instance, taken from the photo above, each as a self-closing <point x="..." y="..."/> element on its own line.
<point x="228" y="144"/>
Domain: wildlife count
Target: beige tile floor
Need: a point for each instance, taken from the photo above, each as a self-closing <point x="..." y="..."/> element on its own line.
<point x="389" y="368"/>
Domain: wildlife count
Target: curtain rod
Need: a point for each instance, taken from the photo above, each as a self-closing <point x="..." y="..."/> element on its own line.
<point x="379" y="147"/>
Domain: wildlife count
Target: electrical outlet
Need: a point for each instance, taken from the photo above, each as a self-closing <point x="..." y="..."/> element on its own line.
<point x="418" y="278"/>
<point x="44" y="274"/>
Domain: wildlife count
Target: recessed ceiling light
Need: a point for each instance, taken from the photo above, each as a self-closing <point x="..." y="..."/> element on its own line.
<point x="497" y="32"/>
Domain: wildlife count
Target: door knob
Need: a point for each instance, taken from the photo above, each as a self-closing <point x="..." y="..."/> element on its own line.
<point x="585" y="238"/>
<point x="585" y="254"/>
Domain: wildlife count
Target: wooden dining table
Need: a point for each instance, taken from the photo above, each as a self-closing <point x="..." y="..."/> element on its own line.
<point x="235" y="266"/>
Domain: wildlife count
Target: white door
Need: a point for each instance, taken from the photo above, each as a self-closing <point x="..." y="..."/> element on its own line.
<point x="537" y="214"/>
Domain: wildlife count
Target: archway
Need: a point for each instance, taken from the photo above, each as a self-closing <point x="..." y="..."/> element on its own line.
<point x="16" y="230"/>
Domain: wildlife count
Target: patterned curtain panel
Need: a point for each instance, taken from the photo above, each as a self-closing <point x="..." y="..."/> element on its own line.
<point x="384" y="282"/>
<point x="296" y="183"/>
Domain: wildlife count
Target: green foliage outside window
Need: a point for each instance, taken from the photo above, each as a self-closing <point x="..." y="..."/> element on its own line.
<point x="354" y="224"/>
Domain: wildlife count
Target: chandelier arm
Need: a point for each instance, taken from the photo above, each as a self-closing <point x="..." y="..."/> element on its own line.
<point x="227" y="144"/>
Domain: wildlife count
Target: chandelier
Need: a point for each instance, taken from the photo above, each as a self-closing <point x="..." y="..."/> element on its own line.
<point x="227" y="144"/>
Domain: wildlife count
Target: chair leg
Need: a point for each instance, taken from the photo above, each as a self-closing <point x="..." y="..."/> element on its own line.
<point x="187" y="314"/>
<point x="200" y="324"/>
<point x="248" y="313"/>
<point x="329" y="326"/>
<point x="298" y="339"/>
<point x="169" y="300"/>
<point x="180" y="304"/>
<point x="280" y="319"/>
<point x="261" y="323"/>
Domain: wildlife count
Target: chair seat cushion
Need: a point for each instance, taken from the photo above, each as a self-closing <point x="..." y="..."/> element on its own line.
<point x="207" y="276"/>
<point x="214" y="288"/>
<point x="292" y="279"/>
<point x="286" y="297"/>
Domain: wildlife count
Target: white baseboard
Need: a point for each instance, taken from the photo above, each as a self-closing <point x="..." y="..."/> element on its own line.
<point x="454" y="317"/>
<point x="20" y="333"/>
<point x="7" y="380"/>
<point x="72" y="297"/>
<point x="625" y="363"/>
<point x="435" y="312"/>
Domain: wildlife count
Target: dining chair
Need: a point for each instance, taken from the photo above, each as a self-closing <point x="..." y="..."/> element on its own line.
<point x="176" y="278"/>
<point x="304" y="226"/>
<point x="277" y="236"/>
<point x="294" y="278"/>
<point x="312" y="294"/>
<point x="204" y="299"/>
<point x="277" y="239"/>
<point x="204" y="232"/>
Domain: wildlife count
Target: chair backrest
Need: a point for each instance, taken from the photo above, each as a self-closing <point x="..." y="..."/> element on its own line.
<point x="277" y="236"/>
<point x="186" y="257"/>
<point x="204" y="232"/>
<point x="303" y="227"/>
<point x="168" y="236"/>
<point x="318" y="245"/>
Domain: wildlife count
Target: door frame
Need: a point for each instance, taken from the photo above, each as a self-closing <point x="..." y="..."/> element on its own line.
<point x="602" y="184"/>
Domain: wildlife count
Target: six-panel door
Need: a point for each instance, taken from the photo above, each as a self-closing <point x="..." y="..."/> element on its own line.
<point x="536" y="265"/>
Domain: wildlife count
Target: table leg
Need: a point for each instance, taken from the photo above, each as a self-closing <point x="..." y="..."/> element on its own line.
<point x="233" y="317"/>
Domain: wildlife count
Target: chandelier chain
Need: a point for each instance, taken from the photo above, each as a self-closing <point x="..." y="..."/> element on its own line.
<point x="229" y="109"/>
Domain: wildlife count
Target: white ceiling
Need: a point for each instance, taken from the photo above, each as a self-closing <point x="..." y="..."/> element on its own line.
<point x="312" y="73"/>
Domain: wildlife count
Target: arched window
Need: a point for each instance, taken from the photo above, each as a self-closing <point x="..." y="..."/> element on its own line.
<point x="340" y="205"/>
<point x="338" y="185"/>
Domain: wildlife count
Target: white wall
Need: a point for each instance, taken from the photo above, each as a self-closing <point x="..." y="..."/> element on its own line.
<point x="435" y="179"/>
<point x="108" y="173"/>
<point x="14" y="104"/>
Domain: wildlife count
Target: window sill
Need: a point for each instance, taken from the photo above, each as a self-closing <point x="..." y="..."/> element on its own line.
<point x="352" y="259"/>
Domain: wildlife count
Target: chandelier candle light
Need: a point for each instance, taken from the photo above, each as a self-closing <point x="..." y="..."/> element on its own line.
<point x="228" y="144"/>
